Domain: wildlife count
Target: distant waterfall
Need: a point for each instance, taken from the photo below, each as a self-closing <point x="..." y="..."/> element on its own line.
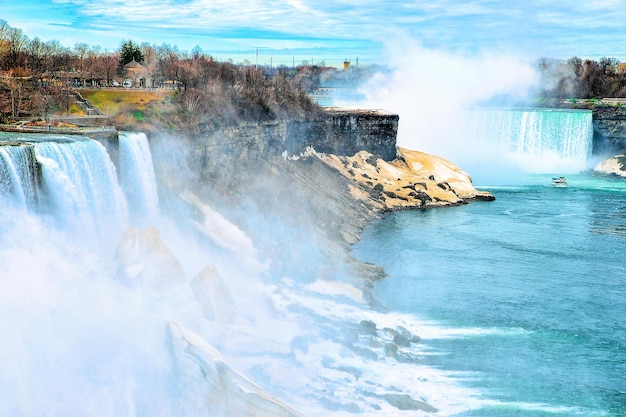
<point x="18" y="180"/>
<point x="137" y="177"/>
<point x="81" y="186"/>
<point x="536" y="140"/>
<point x="565" y="133"/>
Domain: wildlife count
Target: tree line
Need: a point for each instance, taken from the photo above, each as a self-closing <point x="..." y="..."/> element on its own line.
<point x="36" y="78"/>
<point x="582" y="78"/>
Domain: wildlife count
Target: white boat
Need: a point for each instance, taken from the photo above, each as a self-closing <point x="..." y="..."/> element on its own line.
<point x="560" y="182"/>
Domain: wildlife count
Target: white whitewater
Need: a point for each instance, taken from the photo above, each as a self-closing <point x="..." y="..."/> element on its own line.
<point x="537" y="139"/>
<point x="83" y="335"/>
<point x="17" y="182"/>
<point x="137" y="178"/>
<point x="185" y="323"/>
<point x="501" y="145"/>
<point x="81" y="185"/>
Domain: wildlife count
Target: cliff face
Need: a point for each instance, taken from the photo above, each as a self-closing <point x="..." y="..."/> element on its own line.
<point x="226" y="155"/>
<point x="268" y="180"/>
<point x="346" y="132"/>
<point x="615" y="165"/>
<point x="609" y="129"/>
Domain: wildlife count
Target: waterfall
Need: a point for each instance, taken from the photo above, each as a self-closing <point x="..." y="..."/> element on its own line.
<point x="535" y="140"/>
<point x="18" y="177"/>
<point x="566" y="134"/>
<point x="137" y="177"/>
<point x="81" y="187"/>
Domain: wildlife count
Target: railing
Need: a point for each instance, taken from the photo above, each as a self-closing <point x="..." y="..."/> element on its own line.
<point x="610" y="101"/>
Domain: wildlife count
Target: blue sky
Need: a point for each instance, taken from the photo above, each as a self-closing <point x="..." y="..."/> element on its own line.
<point x="330" y="31"/>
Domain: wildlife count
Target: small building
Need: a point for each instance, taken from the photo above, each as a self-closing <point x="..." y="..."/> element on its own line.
<point x="346" y="64"/>
<point x="136" y="73"/>
<point x="621" y="68"/>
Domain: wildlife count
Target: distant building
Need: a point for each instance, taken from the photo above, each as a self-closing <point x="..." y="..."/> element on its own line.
<point x="621" y="68"/>
<point x="136" y="73"/>
<point x="346" y="65"/>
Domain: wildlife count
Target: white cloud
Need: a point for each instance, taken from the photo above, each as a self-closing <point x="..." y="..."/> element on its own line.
<point x="549" y="27"/>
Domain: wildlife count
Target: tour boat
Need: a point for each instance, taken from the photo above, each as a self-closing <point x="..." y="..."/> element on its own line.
<point x="560" y="182"/>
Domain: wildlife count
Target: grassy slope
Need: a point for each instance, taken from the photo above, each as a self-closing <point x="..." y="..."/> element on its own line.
<point x="128" y="106"/>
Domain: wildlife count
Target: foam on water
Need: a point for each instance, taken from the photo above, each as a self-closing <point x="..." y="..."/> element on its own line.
<point x="511" y="297"/>
<point x="81" y="186"/>
<point x="102" y="329"/>
<point x="17" y="182"/>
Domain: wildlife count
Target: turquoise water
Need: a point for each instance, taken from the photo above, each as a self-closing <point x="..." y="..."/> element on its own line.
<point x="530" y="290"/>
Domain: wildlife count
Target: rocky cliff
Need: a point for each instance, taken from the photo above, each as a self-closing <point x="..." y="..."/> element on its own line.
<point x="616" y="165"/>
<point x="345" y="132"/>
<point x="609" y="129"/>
<point x="318" y="182"/>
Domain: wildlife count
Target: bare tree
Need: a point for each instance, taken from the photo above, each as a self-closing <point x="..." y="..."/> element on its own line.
<point x="192" y="102"/>
<point x="15" y="90"/>
<point x="80" y="49"/>
<point x="17" y="41"/>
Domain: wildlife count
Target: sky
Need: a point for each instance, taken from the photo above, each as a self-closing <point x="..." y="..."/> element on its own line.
<point x="280" y="31"/>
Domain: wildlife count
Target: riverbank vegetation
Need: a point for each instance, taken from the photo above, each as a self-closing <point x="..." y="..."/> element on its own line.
<point x="577" y="78"/>
<point x="161" y="86"/>
<point x="178" y="89"/>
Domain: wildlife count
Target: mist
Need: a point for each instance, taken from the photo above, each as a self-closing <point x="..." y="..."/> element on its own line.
<point x="231" y="295"/>
<point x="439" y="96"/>
<point x="210" y="301"/>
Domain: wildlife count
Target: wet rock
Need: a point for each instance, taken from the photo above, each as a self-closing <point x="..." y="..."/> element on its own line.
<point x="391" y="350"/>
<point x="365" y="353"/>
<point x="213" y="296"/>
<point x="405" y="402"/>
<point x="367" y="327"/>
<point x="401" y="336"/>
<point x="615" y="165"/>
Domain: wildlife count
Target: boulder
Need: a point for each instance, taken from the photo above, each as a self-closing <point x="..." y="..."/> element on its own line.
<point x="615" y="165"/>
<point x="213" y="296"/>
<point x="142" y="257"/>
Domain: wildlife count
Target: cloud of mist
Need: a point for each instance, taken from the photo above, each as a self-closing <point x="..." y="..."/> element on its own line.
<point x="433" y="92"/>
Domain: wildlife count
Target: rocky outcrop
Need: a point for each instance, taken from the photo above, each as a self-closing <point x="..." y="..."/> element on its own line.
<point x="413" y="180"/>
<point x="345" y="132"/>
<point x="323" y="198"/>
<point x="609" y="137"/>
<point x="615" y="165"/>
<point x="220" y="155"/>
<point x="609" y="129"/>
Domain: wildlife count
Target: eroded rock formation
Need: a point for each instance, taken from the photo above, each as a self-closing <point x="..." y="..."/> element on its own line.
<point x="413" y="180"/>
<point x="615" y="165"/>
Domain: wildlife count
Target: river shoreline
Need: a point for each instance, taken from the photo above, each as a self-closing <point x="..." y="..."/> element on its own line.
<point x="331" y="197"/>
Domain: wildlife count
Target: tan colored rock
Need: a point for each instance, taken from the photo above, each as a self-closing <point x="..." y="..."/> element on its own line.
<point x="208" y="377"/>
<point x="414" y="180"/>
<point x="142" y="257"/>
<point x="213" y="296"/>
<point x="615" y="165"/>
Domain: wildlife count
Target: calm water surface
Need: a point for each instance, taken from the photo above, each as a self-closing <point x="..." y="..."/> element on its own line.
<point x="531" y="289"/>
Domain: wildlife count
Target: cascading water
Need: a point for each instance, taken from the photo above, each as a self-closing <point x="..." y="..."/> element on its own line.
<point x="138" y="335"/>
<point x="18" y="178"/>
<point x="81" y="186"/>
<point x="137" y="177"/>
<point x="535" y="140"/>
<point x="502" y="145"/>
